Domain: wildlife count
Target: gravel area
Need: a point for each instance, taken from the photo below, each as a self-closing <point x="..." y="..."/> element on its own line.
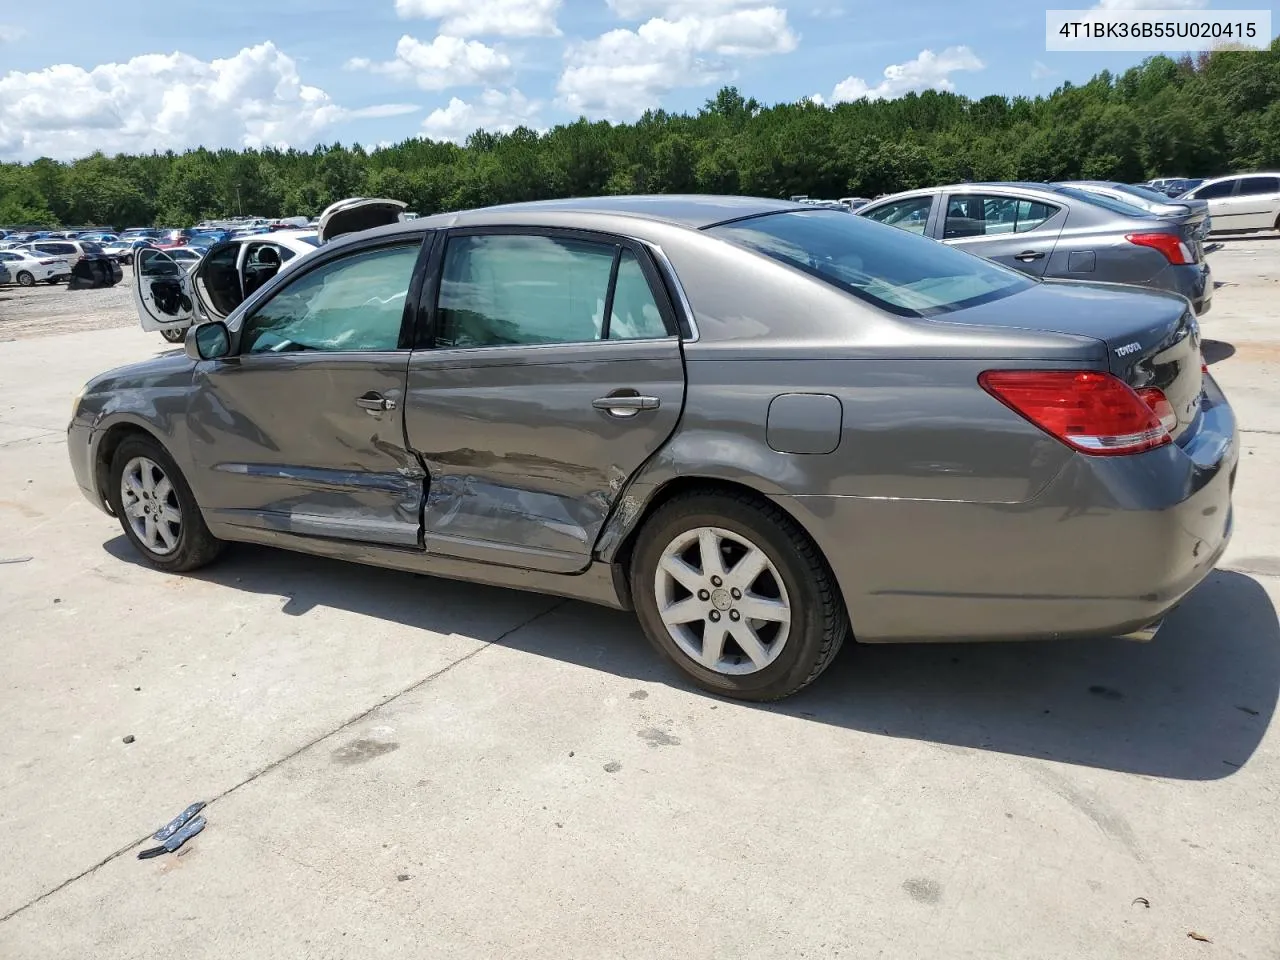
<point x="43" y="310"/>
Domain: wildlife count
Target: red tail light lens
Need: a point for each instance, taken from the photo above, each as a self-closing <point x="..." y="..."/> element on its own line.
<point x="1094" y="413"/>
<point x="1174" y="250"/>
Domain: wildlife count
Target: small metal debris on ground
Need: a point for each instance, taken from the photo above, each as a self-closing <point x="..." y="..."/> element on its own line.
<point x="402" y="877"/>
<point x="1198" y="936"/>
<point x="130" y="738"/>
<point x="14" y="559"/>
<point x="1142" y="900"/>
<point x="176" y="824"/>
<point x="183" y="834"/>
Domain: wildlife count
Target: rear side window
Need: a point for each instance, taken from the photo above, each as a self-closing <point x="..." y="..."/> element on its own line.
<point x="1215" y="191"/>
<point x="976" y="215"/>
<point x="911" y="214"/>
<point x="1255" y="186"/>
<point x="906" y="275"/>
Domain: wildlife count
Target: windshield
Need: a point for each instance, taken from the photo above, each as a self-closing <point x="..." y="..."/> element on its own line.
<point x="885" y="266"/>
<point x="1107" y="203"/>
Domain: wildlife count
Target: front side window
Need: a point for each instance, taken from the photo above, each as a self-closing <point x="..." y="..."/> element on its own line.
<point x="352" y="304"/>
<point x="900" y="273"/>
<point x="1256" y="186"/>
<point x="911" y="214"/>
<point x="519" y="290"/>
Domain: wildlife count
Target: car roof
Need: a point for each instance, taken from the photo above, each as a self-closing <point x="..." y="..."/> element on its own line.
<point x="690" y="210"/>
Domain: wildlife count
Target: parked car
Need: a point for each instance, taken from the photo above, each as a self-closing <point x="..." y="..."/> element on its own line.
<point x="1189" y="213"/>
<point x="1173" y="186"/>
<point x="64" y="251"/>
<point x="1056" y="232"/>
<point x="27" y="269"/>
<point x="854" y="203"/>
<point x="789" y="424"/>
<point x="5" y="276"/>
<point x="1241" y="203"/>
<point x="124" y="251"/>
<point x="169" y="298"/>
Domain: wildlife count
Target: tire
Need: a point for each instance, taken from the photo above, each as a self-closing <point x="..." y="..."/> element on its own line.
<point x="193" y="546"/>
<point x="795" y="578"/>
<point x="128" y="261"/>
<point x="174" y="336"/>
<point x="26" y="279"/>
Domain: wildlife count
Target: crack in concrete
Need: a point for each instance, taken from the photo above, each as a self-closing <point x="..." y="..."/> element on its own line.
<point x="417" y="684"/>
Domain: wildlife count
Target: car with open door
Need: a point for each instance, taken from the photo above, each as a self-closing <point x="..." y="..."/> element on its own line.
<point x="763" y="426"/>
<point x="170" y="297"/>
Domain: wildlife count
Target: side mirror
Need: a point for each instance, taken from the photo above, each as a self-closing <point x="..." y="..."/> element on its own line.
<point x="208" y="341"/>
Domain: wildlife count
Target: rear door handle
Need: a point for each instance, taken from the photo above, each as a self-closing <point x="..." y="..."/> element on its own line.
<point x="374" y="403"/>
<point x="1026" y="256"/>
<point x="626" y="406"/>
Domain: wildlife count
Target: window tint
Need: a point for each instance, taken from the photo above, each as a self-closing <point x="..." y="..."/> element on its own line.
<point x="352" y="304"/>
<point x="635" y="314"/>
<point x="976" y="215"/>
<point x="906" y="275"/>
<point x="508" y="289"/>
<point x="1215" y="190"/>
<point x="911" y="214"/>
<point x="1253" y="186"/>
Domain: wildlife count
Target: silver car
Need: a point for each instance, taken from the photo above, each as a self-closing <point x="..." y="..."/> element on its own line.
<point x="1057" y="232"/>
<point x="1244" y="203"/>
<point x="762" y="426"/>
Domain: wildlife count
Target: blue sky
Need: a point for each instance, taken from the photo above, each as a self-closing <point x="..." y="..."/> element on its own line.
<point x="254" y="72"/>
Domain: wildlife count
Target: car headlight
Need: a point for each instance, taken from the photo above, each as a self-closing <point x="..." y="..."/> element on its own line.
<point x="75" y="401"/>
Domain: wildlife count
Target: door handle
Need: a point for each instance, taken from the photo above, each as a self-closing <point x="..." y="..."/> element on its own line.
<point x="1026" y="256"/>
<point x="626" y="406"/>
<point x="374" y="403"/>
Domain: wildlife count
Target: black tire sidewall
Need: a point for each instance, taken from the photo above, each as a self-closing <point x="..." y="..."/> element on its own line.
<point x="192" y="521"/>
<point x="797" y="661"/>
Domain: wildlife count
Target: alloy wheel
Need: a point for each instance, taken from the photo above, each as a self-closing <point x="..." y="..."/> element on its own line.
<point x="722" y="601"/>
<point x="151" y="505"/>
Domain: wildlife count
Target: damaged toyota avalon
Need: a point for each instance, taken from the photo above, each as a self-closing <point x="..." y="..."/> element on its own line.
<point x="764" y="427"/>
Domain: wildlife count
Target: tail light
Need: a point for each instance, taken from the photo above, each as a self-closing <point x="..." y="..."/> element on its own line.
<point x="1092" y="412"/>
<point x="1174" y="250"/>
<point x="48" y="263"/>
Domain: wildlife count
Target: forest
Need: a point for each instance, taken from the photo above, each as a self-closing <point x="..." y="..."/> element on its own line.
<point x="1213" y="114"/>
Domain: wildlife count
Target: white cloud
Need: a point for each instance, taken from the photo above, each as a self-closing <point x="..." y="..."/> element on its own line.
<point x="444" y="62"/>
<point x="928" y="71"/>
<point x="9" y="33"/>
<point x="167" y="101"/>
<point x="494" y="111"/>
<point x="673" y="9"/>
<point x="469" y="18"/>
<point x="1041" y="71"/>
<point x="1150" y="4"/>
<point x="625" y="72"/>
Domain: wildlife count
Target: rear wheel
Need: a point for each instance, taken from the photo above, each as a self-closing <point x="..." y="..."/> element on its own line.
<point x="733" y="591"/>
<point x="26" y="278"/>
<point x="156" y="508"/>
<point x="174" y="336"/>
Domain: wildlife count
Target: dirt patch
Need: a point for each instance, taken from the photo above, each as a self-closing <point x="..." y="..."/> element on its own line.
<point x="43" y="310"/>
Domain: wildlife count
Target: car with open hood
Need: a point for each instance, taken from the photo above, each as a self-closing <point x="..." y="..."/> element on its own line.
<point x="169" y="297"/>
<point x="763" y="426"/>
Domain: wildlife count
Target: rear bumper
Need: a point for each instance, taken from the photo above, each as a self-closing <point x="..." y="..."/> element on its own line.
<point x="1106" y="549"/>
<point x="1192" y="280"/>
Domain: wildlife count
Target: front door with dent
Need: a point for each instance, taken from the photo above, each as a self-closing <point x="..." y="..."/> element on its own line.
<point x="552" y="371"/>
<point x="302" y="431"/>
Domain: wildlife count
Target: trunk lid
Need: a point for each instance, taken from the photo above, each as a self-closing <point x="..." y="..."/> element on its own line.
<point x="358" y="213"/>
<point x="1152" y="339"/>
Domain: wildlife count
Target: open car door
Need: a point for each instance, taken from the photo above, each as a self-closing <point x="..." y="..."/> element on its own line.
<point x="161" y="291"/>
<point x="358" y="213"/>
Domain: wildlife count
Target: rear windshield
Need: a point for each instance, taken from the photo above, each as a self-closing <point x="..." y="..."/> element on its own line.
<point x="1107" y="203"/>
<point x="1146" y="193"/>
<point x="888" y="267"/>
<point x="314" y="241"/>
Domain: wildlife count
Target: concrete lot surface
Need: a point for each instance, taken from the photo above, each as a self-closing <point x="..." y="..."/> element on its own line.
<point x="405" y="767"/>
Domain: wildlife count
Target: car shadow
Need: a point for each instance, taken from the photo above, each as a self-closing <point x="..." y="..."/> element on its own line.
<point x="1193" y="704"/>
<point x="1215" y="351"/>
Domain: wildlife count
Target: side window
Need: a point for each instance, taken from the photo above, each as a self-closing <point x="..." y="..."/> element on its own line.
<point x="505" y="290"/>
<point x="352" y="304"/>
<point x="1031" y="214"/>
<point x="1255" y="186"/>
<point x="974" y="215"/>
<point x="635" y="314"/>
<point x="910" y="214"/>
<point x="1215" y="191"/>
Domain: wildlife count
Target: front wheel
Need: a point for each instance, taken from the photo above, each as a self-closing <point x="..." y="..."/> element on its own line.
<point x="156" y="508"/>
<point x="174" y="336"/>
<point x="736" y="594"/>
<point x="26" y="278"/>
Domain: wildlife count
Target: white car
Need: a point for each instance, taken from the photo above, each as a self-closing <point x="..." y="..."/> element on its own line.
<point x="186" y="257"/>
<point x="171" y="298"/>
<point x="27" y="269"/>
<point x="1242" y="202"/>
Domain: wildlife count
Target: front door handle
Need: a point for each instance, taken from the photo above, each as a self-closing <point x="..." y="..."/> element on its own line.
<point x="1026" y="256"/>
<point x="626" y="405"/>
<point x="374" y="403"/>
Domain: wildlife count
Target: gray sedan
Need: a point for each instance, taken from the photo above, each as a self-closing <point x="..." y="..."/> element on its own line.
<point x="764" y="427"/>
<point x="1058" y="232"/>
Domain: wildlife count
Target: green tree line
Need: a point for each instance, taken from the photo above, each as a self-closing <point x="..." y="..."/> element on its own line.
<point x="1214" y="114"/>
